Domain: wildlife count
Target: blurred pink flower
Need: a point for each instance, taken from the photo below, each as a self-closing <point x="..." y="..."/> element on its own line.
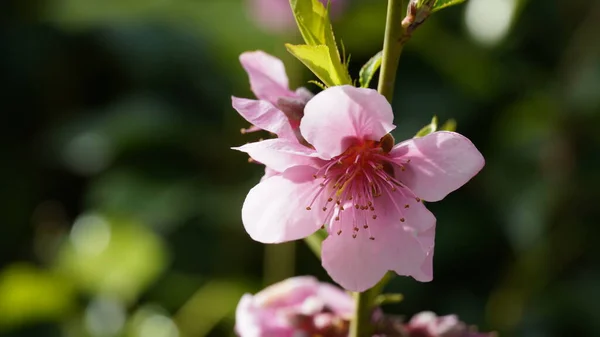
<point x="428" y="324"/>
<point x="298" y="306"/>
<point x="276" y="15"/>
<point x="354" y="182"/>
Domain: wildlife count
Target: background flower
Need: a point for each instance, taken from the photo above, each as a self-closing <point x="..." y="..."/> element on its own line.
<point x="297" y="306"/>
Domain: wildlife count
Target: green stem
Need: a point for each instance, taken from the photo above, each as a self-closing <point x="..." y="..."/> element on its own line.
<point x="393" y="44"/>
<point x="395" y="37"/>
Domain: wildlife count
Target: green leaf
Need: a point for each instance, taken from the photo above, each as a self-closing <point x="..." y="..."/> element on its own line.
<point x="368" y="70"/>
<point x="318" y="60"/>
<point x="429" y="128"/>
<point x="439" y="4"/>
<point x="313" y="21"/>
<point x="314" y="24"/>
<point x="450" y="125"/>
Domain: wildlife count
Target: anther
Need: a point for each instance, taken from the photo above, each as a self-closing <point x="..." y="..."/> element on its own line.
<point x="354" y="236"/>
<point x="356" y="206"/>
<point x="323" y="226"/>
<point x="401" y="219"/>
<point x="350" y="198"/>
<point x="339" y="232"/>
<point x="315" y="176"/>
<point x="337" y="218"/>
<point x="324" y="209"/>
<point x="371" y="238"/>
<point x="355" y="229"/>
<point x="322" y="184"/>
<point x="402" y="168"/>
<point x="374" y="216"/>
<point x="418" y="199"/>
<point x="366" y="226"/>
<point x="372" y="208"/>
<point x="393" y="189"/>
<point x="338" y="202"/>
<point x="406" y="206"/>
<point x="329" y="200"/>
<point x="341" y="208"/>
<point x="308" y="208"/>
<point x="370" y="203"/>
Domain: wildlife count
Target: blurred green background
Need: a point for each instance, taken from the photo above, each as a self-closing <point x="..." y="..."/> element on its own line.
<point x="120" y="199"/>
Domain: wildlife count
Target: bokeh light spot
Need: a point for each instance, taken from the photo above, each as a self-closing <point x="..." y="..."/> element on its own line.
<point x="488" y="21"/>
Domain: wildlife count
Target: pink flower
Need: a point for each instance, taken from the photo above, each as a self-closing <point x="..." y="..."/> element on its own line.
<point x="276" y="15"/>
<point x="299" y="306"/>
<point x="428" y="324"/>
<point x="355" y="183"/>
<point x="278" y="109"/>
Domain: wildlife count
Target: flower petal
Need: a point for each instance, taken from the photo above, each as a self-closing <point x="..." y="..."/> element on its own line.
<point x="247" y="322"/>
<point x="404" y="246"/>
<point x="287" y="293"/>
<point x="279" y="154"/>
<point x="409" y="243"/>
<point x="264" y="115"/>
<point x="275" y="210"/>
<point x="340" y="115"/>
<point x="440" y="163"/>
<point x="353" y="262"/>
<point x="336" y="300"/>
<point x="268" y="79"/>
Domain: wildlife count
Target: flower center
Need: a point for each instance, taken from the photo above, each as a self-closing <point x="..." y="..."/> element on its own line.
<point x="351" y="183"/>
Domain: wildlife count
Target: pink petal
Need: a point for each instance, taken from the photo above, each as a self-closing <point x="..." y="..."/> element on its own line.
<point x="440" y="163"/>
<point x="340" y="115"/>
<point x="339" y="301"/>
<point x="290" y="292"/>
<point x="279" y="154"/>
<point x="264" y="115"/>
<point x="410" y="243"/>
<point x="275" y="209"/>
<point x="247" y="320"/>
<point x="268" y="79"/>
<point x="269" y="172"/>
<point x="405" y="247"/>
<point x="353" y="262"/>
